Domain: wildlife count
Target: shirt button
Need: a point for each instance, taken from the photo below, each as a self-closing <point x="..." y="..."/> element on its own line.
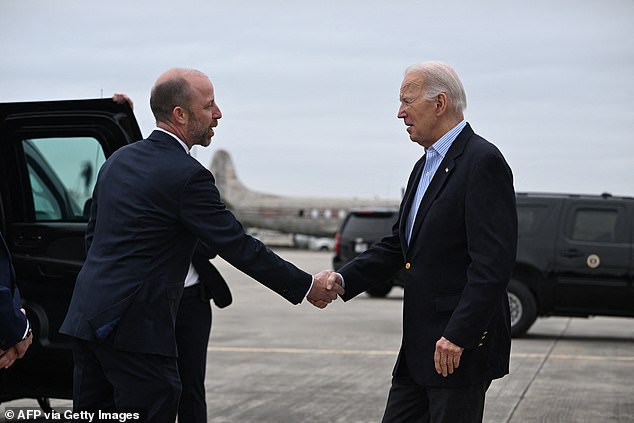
<point x="407" y="265"/>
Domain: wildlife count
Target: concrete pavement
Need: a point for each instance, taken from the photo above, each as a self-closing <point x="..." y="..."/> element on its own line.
<point x="273" y="362"/>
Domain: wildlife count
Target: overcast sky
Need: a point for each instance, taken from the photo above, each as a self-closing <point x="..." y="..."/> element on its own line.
<point x="309" y="89"/>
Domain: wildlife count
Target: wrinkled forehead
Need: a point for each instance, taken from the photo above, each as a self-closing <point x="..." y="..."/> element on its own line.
<point x="412" y="85"/>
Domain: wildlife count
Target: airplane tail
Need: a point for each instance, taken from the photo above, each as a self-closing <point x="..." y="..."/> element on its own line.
<point x="230" y="187"/>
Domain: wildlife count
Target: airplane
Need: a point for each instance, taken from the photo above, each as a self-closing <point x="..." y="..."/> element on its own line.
<point x="314" y="216"/>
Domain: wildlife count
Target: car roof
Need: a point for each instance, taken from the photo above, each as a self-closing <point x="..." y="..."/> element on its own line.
<point x="562" y="196"/>
<point x="120" y="112"/>
<point x="374" y="209"/>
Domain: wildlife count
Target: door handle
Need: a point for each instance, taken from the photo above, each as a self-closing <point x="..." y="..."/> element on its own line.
<point x="28" y="241"/>
<point x="571" y="253"/>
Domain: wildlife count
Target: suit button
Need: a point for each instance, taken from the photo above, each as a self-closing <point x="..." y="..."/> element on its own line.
<point x="407" y="265"/>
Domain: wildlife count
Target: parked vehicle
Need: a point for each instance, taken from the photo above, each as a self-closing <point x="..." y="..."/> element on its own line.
<point x="50" y="153"/>
<point x="321" y="243"/>
<point x="575" y="255"/>
<point x="360" y="229"/>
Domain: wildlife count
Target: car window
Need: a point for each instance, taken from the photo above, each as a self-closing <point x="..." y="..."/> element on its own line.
<point x="595" y="225"/>
<point x="62" y="173"/>
<point x="369" y="226"/>
<point x="529" y="218"/>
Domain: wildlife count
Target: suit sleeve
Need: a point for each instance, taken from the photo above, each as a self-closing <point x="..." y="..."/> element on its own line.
<point x="13" y="323"/>
<point x="375" y="265"/>
<point x="380" y="262"/>
<point x="491" y="226"/>
<point x="202" y="250"/>
<point x="207" y="217"/>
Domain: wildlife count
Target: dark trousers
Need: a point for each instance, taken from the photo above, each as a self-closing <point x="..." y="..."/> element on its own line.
<point x="111" y="380"/>
<point x="193" y="323"/>
<point x="409" y="402"/>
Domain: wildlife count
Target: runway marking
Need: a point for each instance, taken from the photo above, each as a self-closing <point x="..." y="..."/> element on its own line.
<point x="537" y="356"/>
<point x="301" y="351"/>
<point x="575" y="357"/>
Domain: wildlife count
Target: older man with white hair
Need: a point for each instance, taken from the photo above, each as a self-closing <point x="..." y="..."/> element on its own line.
<point x="456" y="238"/>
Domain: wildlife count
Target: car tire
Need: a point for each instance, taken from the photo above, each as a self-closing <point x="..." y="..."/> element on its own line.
<point x="380" y="290"/>
<point x="523" y="307"/>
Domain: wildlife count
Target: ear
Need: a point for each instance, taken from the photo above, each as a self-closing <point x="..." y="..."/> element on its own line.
<point x="441" y="104"/>
<point x="179" y="115"/>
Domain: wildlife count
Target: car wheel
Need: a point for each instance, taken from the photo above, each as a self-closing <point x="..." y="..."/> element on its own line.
<point x="380" y="290"/>
<point x="45" y="404"/>
<point x="523" y="307"/>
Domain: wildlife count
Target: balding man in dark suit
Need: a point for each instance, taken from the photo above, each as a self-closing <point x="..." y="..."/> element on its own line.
<point x="151" y="203"/>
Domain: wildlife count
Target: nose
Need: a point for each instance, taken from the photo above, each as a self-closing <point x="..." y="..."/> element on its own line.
<point x="401" y="113"/>
<point x="216" y="113"/>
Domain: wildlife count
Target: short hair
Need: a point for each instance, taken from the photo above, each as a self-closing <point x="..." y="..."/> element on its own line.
<point x="173" y="91"/>
<point x="441" y="78"/>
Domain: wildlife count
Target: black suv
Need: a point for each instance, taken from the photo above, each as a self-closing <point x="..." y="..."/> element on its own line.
<point x="361" y="228"/>
<point x="50" y="153"/>
<point x="575" y="255"/>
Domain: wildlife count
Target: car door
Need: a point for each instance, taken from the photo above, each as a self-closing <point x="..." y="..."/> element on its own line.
<point x="593" y="260"/>
<point x="50" y="153"/>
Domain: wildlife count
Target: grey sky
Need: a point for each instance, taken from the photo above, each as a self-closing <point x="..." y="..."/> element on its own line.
<point x="309" y="90"/>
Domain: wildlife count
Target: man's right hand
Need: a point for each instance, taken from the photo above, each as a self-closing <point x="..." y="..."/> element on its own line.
<point x="326" y="287"/>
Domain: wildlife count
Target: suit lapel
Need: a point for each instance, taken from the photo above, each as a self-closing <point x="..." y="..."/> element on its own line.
<point x="407" y="201"/>
<point x="440" y="178"/>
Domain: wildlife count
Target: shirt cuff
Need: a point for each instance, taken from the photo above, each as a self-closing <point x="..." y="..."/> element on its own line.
<point x="343" y="282"/>
<point x="310" y="287"/>
<point x="27" y="330"/>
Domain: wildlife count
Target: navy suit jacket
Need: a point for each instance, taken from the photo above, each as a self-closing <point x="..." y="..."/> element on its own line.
<point x="211" y="283"/>
<point x="151" y="203"/>
<point x="459" y="262"/>
<point x="12" y="320"/>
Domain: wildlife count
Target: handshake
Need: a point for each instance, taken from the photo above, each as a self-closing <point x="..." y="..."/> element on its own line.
<point x="327" y="284"/>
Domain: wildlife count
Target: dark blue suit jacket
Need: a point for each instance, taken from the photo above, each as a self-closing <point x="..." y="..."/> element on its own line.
<point x="12" y="320"/>
<point x="151" y="204"/>
<point x="211" y="283"/>
<point x="461" y="256"/>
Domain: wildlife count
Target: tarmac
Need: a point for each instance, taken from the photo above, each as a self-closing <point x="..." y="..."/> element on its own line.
<point x="270" y="361"/>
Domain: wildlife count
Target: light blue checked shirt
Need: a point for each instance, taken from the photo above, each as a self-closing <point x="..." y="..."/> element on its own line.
<point x="434" y="156"/>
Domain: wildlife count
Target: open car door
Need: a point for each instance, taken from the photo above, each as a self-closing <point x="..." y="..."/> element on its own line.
<point x="50" y="154"/>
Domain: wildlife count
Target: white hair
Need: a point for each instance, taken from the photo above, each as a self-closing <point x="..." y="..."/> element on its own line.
<point x="441" y="78"/>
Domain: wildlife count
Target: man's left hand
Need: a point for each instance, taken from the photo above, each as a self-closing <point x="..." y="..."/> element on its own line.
<point x="8" y="357"/>
<point x="447" y="356"/>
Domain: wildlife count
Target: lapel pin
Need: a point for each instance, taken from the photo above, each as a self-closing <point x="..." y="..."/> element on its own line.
<point x="446" y="170"/>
